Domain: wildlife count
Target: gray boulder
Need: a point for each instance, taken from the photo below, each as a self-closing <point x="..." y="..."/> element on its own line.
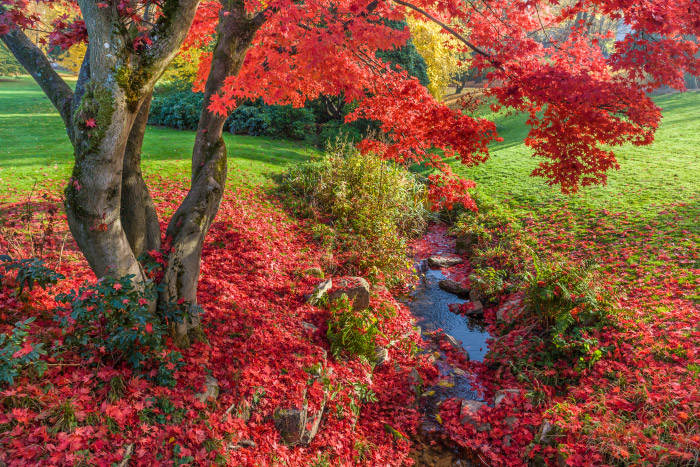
<point x="468" y="413"/>
<point x="298" y="426"/>
<point x="211" y="390"/>
<point x="456" y="345"/>
<point x="453" y="287"/>
<point x="548" y="431"/>
<point x="440" y="261"/>
<point x="321" y="289"/>
<point x="509" y="310"/>
<point x="312" y="328"/>
<point x="465" y="243"/>
<point x="503" y="394"/>
<point x="474" y="309"/>
<point x="356" y="289"/>
<point x="475" y="296"/>
<point x="381" y="356"/>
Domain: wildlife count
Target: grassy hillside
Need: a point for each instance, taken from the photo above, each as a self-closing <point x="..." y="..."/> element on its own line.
<point x="667" y="171"/>
<point x="35" y="147"/>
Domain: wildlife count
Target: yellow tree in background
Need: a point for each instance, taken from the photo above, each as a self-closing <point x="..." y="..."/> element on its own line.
<point x="72" y="58"/>
<point x="439" y="52"/>
<point x="185" y="66"/>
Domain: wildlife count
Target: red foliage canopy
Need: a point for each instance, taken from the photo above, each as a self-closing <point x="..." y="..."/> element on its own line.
<point x="580" y="99"/>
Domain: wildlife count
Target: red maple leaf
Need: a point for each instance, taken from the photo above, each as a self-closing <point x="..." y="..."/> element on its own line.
<point x="91" y="123"/>
<point x="25" y="350"/>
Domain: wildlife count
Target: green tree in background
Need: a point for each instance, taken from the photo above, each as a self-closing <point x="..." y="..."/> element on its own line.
<point x="8" y="64"/>
<point x="407" y="57"/>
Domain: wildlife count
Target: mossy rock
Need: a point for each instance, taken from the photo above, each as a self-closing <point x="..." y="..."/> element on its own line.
<point x="315" y="272"/>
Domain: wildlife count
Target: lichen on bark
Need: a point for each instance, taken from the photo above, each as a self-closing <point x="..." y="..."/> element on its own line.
<point x="96" y="104"/>
<point x="132" y="80"/>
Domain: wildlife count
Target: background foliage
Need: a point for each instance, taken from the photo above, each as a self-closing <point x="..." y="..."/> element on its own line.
<point x="9" y="66"/>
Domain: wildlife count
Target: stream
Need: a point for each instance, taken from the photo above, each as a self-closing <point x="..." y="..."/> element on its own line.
<point x="429" y="305"/>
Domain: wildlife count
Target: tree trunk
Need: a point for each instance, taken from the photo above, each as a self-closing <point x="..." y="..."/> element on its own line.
<point x="190" y="223"/>
<point x="138" y="213"/>
<point x="462" y="82"/>
<point x="93" y="194"/>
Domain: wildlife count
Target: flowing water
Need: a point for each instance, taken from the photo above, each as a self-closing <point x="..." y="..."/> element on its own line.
<point x="430" y="306"/>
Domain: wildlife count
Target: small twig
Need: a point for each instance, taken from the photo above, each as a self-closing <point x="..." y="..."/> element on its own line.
<point x="60" y="255"/>
<point x="482" y="460"/>
<point x="448" y="29"/>
<point x="127" y="455"/>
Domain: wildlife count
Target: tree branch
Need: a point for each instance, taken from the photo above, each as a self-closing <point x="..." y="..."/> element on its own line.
<point x="447" y="28"/>
<point x="260" y="18"/>
<point x="171" y="29"/>
<point x="35" y="62"/>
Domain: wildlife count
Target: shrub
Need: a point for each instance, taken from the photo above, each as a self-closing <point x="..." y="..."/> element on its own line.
<point x="174" y="105"/>
<point x="249" y="120"/>
<point x="30" y="272"/>
<point x="112" y="319"/>
<point x="561" y="293"/>
<point x="333" y="130"/>
<point x="367" y="209"/>
<point x="9" y="66"/>
<point x="488" y="282"/>
<point x="353" y="332"/>
<point x="568" y="302"/>
<point x="291" y="122"/>
<point x="17" y="354"/>
<point x="176" y="108"/>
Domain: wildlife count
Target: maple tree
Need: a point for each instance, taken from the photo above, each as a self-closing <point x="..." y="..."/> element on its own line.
<point x="579" y="99"/>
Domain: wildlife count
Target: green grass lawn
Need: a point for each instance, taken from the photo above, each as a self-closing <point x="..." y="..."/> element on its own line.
<point x="34" y="146"/>
<point x="665" y="172"/>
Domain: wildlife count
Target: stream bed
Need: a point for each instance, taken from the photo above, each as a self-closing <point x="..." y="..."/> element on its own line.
<point x="429" y="304"/>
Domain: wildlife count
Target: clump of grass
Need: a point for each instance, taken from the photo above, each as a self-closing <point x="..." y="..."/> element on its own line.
<point x="353" y="332"/>
<point x="212" y="444"/>
<point x="63" y="418"/>
<point x="93" y="419"/>
<point x="19" y="401"/>
<point x="117" y="386"/>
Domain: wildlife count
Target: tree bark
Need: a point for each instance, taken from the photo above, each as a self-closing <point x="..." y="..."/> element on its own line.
<point x="190" y="223"/>
<point x="93" y="195"/>
<point x="138" y="213"/>
<point x="108" y="122"/>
